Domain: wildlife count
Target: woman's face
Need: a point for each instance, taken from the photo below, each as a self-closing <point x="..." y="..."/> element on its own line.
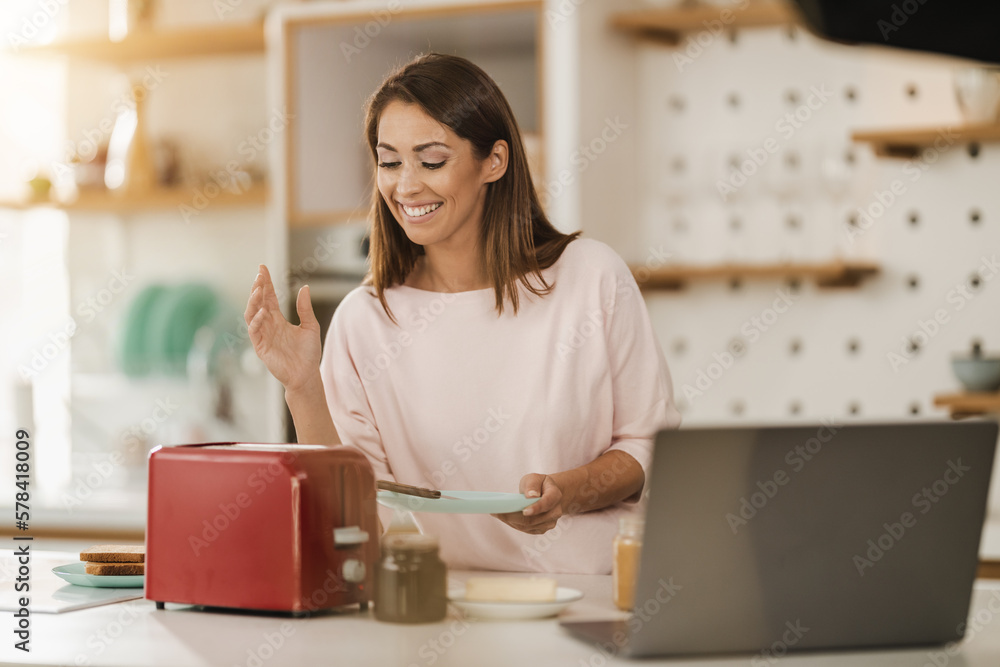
<point x="430" y="179"/>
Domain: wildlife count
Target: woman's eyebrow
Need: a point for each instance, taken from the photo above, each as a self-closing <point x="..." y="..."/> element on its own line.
<point x="416" y="149"/>
<point x="423" y="147"/>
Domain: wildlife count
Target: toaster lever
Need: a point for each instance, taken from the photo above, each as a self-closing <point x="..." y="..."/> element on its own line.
<point x="349" y="536"/>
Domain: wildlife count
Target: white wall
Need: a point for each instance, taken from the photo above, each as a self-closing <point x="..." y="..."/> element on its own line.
<point x="828" y="355"/>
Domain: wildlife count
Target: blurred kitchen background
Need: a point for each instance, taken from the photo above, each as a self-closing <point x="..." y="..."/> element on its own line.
<point x="814" y="225"/>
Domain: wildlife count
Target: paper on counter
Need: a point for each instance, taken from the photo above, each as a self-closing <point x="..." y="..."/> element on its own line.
<point x="49" y="594"/>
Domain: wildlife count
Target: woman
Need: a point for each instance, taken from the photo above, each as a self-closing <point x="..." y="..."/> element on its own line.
<point x="487" y="350"/>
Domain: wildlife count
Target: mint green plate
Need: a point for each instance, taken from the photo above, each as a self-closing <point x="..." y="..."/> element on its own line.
<point x="136" y="356"/>
<point x="76" y="574"/>
<point x="177" y="315"/>
<point x="466" y="502"/>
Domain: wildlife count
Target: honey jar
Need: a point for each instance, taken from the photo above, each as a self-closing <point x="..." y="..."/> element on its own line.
<point x="627" y="547"/>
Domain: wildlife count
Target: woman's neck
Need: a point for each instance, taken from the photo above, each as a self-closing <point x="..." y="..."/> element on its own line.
<point x="447" y="270"/>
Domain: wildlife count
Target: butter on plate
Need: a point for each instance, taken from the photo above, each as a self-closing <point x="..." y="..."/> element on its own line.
<point x="510" y="589"/>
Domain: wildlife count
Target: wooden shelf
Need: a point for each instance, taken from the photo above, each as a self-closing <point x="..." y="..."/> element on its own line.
<point x="836" y="273"/>
<point x="162" y="198"/>
<point x="968" y="404"/>
<point x="158" y="45"/>
<point x="670" y="23"/>
<point x="328" y="217"/>
<point x="910" y="142"/>
<point x="988" y="569"/>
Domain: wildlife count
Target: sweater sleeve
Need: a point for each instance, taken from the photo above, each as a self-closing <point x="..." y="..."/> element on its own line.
<point x="641" y="384"/>
<point x="348" y="403"/>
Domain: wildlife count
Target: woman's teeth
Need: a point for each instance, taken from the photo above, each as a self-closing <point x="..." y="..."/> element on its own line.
<point x="423" y="210"/>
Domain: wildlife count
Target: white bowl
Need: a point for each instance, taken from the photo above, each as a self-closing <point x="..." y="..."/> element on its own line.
<point x="977" y="90"/>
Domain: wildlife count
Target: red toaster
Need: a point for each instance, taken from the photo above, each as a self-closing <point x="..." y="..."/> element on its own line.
<point x="283" y="528"/>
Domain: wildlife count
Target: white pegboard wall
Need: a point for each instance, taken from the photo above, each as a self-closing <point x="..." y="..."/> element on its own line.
<point x="827" y="355"/>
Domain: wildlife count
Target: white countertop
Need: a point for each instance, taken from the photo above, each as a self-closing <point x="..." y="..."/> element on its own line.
<point x="135" y="633"/>
<point x="134" y="519"/>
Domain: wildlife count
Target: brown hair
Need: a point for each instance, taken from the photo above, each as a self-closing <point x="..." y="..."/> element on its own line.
<point x="516" y="239"/>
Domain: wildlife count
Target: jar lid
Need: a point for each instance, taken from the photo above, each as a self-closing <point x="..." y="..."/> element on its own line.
<point x="631" y="524"/>
<point x="410" y="542"/>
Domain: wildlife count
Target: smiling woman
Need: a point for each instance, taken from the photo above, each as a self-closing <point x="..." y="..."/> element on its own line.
<point x="488" y="351"/>
<point x="466" y="137"/>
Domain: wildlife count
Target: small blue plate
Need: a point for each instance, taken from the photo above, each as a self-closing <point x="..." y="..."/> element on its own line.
<point x="465" y="502"/>
<point x="76" y="574"/>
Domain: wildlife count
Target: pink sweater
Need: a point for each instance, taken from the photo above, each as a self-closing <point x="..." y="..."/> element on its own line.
<point x="457" y="398"/>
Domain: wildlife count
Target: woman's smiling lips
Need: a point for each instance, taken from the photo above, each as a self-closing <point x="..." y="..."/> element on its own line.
<point x="419" y="211"/>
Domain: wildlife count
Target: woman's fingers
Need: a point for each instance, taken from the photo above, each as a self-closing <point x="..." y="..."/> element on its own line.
<point x="542" y="516"/>
<point x="303" y="306"/>
<point x="270" y="295"/>
<point x="531" y="485"/>
<point x="264" y="323"/>
<point x="257" y="292"/>
<point x="258" y="327"/>
<point x="262" y="296"/>
<point x="253" y="304"/>
<point x="543" y="487"/>
<point x="551" y="497"/>
<point x="535" y="525"/>
<point x="289" y="352"/>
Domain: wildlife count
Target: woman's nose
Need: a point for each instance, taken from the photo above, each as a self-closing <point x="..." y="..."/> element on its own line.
<point x="408" y="183"/>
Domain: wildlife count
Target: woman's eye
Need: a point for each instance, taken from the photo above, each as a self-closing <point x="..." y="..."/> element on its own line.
<point x="427" y="165"/>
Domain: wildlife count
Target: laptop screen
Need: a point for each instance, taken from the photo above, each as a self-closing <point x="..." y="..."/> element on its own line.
<point x="783" y="538"/>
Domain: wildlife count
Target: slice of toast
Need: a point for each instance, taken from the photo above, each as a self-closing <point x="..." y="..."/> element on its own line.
<point x="114" y="553"/>
<point x="115" y="568"/>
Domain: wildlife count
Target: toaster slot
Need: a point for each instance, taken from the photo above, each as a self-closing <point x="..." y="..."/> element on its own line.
<point x="349" y="491"/>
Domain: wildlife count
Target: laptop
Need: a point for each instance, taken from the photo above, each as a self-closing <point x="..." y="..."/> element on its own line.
<point x="774" y="539"/>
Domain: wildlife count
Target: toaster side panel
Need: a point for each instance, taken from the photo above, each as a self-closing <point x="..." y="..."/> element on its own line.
<point x="338" y="493"/>
<point x="221" y="529"/>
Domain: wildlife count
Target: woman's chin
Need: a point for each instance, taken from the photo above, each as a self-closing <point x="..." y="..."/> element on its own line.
<point x="418" y="235"/>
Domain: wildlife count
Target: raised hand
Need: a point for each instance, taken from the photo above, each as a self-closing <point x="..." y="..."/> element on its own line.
<point x="291" y="353"/>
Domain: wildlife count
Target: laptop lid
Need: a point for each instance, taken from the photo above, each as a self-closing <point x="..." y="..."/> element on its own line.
<point x="774" y="539"/>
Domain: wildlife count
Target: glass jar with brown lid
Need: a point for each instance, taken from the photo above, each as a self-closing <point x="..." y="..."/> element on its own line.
<point x="410" y="580"/>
